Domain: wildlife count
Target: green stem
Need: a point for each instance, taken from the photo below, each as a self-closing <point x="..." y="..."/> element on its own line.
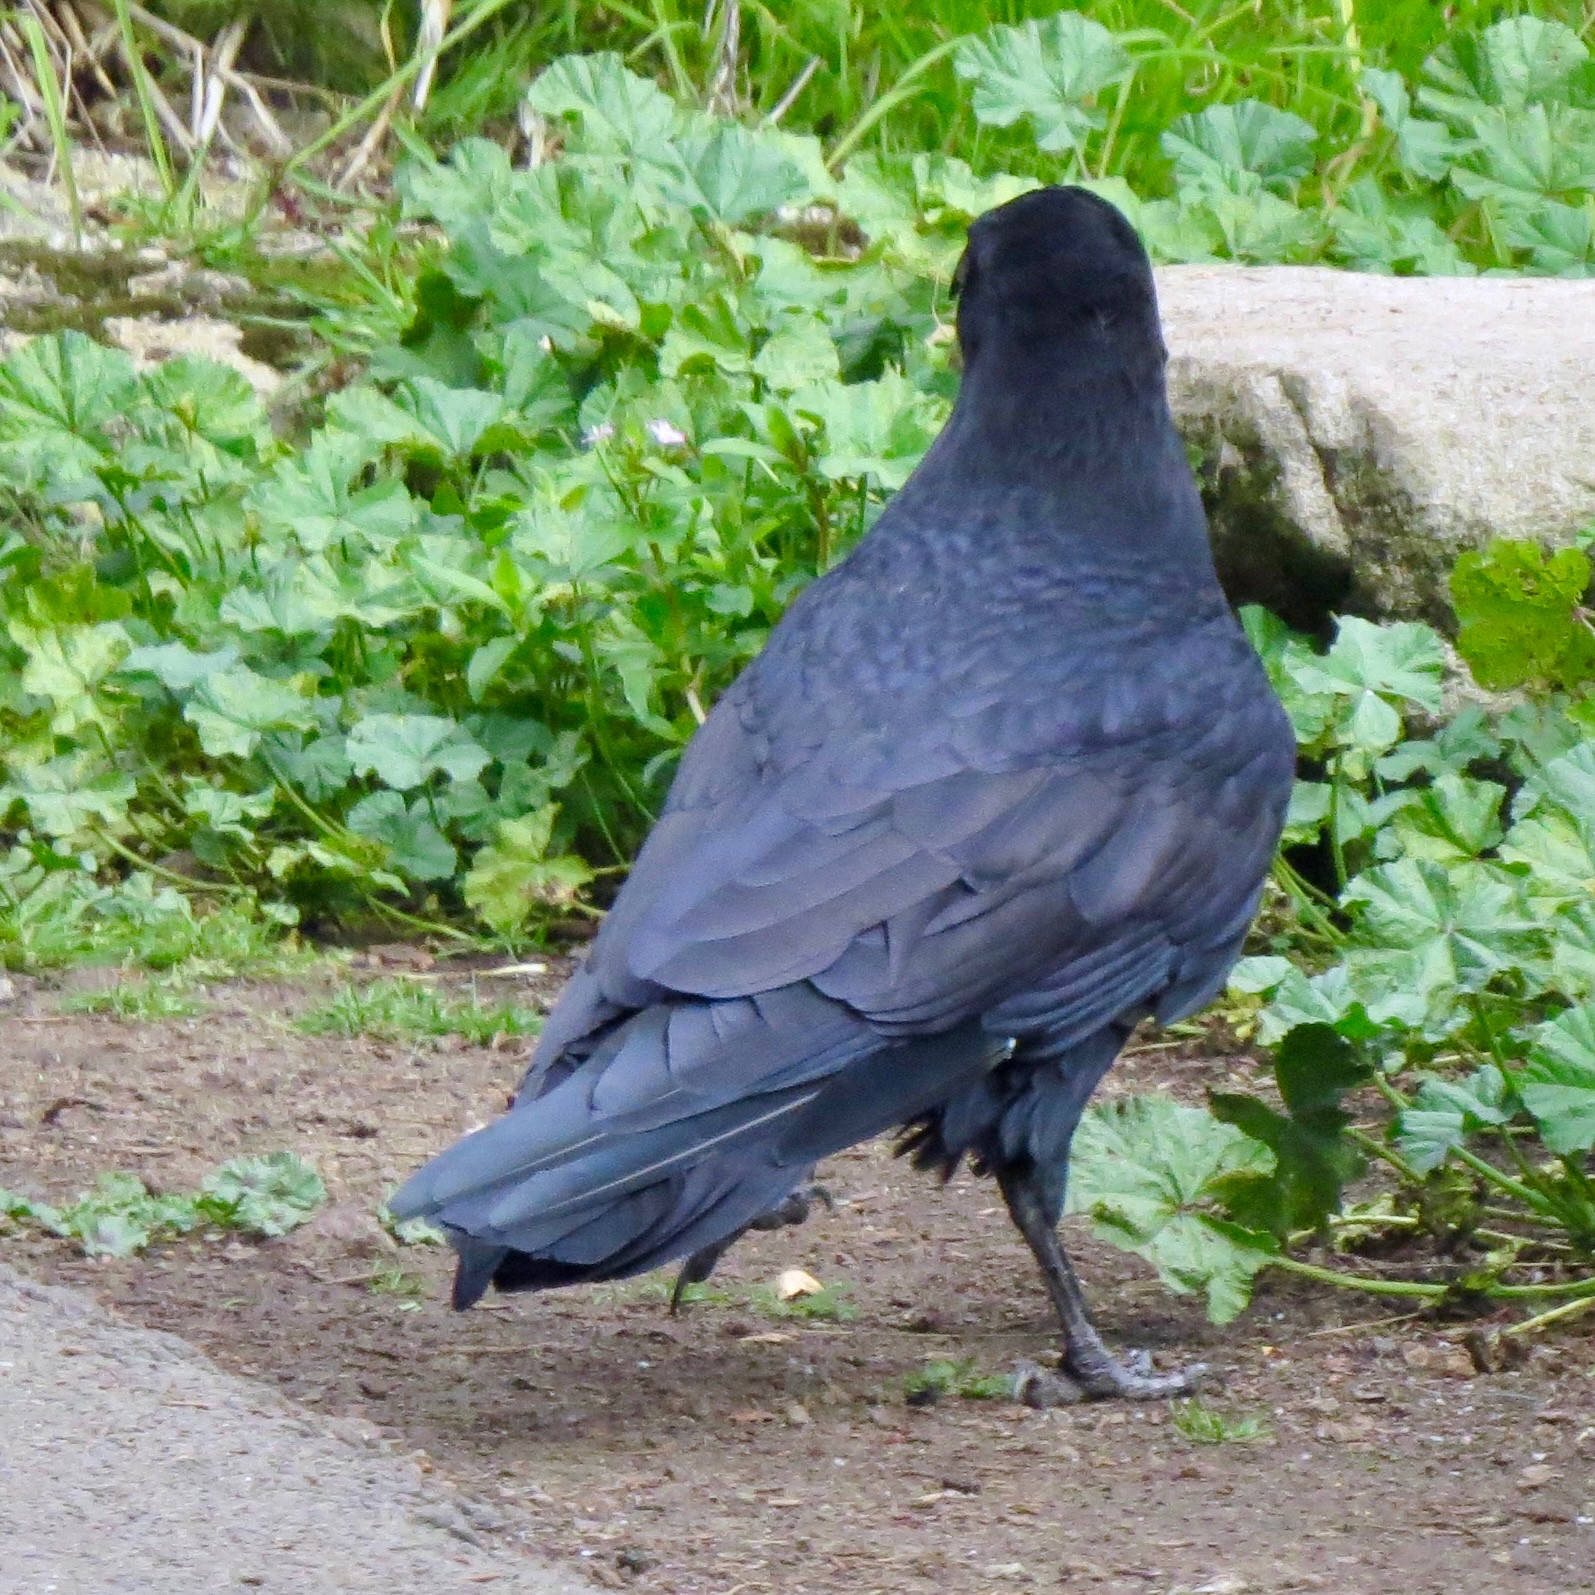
<point x="187" y="882"/>
<point x="428" y="926"/>
<point x="1577" y="1290"/>
<point x="1504" y="1182"/>
<point x="1371" y="1287"/>
<point x="1385" y="1154"/>
<point x="1570" y="1309"/>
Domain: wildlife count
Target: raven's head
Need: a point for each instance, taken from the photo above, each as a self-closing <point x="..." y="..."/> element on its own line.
<point x="1056" y="270"/>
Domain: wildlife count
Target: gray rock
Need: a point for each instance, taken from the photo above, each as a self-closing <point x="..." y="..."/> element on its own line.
<point x="1357" y="433"/>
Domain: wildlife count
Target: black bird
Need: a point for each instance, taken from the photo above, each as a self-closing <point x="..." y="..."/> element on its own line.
<point x="1003" y="783"/>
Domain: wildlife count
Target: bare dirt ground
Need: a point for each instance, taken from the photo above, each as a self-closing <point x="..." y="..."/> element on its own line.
<point x="732" y="1450"/>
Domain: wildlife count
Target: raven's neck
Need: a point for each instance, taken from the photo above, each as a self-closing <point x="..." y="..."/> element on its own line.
<point x="1088" y="445"/>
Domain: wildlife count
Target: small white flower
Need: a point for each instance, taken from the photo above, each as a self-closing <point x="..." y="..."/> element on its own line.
<point x="666" y="435"/>
<point x="594" y="435"/>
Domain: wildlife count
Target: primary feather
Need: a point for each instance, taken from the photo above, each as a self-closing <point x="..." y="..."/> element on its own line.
<point x="1004" y="782"/>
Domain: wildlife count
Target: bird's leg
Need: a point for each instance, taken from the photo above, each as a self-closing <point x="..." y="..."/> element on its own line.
<point x="1086" y="1360"/>
<point x="792" y="1209"/>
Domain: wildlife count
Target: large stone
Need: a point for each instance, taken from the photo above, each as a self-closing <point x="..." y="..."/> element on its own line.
<point x="1357" y="433"/>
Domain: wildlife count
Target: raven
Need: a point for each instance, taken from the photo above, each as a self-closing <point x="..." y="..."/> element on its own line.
<point x="1004" y="782"/>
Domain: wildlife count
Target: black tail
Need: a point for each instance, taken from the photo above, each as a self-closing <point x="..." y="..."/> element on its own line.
<point x="687" y="1122"/>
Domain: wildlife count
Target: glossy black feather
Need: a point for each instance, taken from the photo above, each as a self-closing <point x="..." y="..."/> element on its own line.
<point x="1005" y="781"/>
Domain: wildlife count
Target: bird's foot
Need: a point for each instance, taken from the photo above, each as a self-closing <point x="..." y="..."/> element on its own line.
<point x="1102" y="1376"/>
<point x="795" y="1209"/>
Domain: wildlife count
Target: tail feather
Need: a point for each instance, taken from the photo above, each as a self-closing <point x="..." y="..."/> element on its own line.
<point x="685" y="1124"/>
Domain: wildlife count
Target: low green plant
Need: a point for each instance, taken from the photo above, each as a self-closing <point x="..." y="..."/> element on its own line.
<point x="830" y="1304"/>
<point x="121" y="1216"/>
<point x="1436" y="1017"/>
<point x="1206" y="1425"/>
<point x="408" y="1010"/>
<point x="396" y="1282"/>
<point x="57" y="910"/>
<point x="941" y="1378"/>
<point x="136" y="1000"/>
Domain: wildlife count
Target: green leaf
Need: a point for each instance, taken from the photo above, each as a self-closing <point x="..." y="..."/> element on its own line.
<point x="406" y="750"/>
<point x="1468" y="922"/>
<point x="67" y="795"/>
<point x="1557" y="1084"/>
<point x="734" y="175"/>
<point x="1447" y="1111"/>
<point x="313" y="497"/>
<point x="1427" y="149"/>
<point x="1048" y="71"/>
<point x="269" y="1195"/>
<point x="1247" y="136"/>
<point x="61" y="399"/>
<point x="70" y="668"/>
<point x="877" y="429"/>
<point x="1529" y="155"/>
<point x="515" y="876"/>
<point x="416" y="847"/>
<point x="232" y="709"/>
<point x="1512" y="65"/>
<point x="1149" y="1172"/>
<point x="1518" y="615"/>
<point x="1403" y="661"/>
<point x="211" y="401"/>
<point x="224" y="812"/>
<point x="616" y="111"/>
<point x="798" y="354"/>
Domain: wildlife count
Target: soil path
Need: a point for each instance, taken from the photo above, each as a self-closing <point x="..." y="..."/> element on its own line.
<point x="734" y="1449"/>
<point x="129" y="1463"/>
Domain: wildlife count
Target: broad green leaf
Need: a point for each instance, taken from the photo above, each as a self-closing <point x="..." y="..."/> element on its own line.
<point x="734" y="175"/>
<point x="616" y="110"/>
<point x="1427" y="148"/>
<point x="269" y="1195"/>
<point x="70" y="667"/>
<point x="877" y="429"/>
<point x="67" y="795"/>
<point x="1148" y="1171"/>
<point x="416" y="847"/>
<point x="232" y="709"/>
<point x="516" y="876"/>
<point x="1560" y="238"/>
<point x="1049" y="71"/>
<point x="1518" y="615"/>
<point x="796" y="355"/>
<point x="1375" y="233"/>
<point x="1557" y="1084"/>
<point x="1247" y="136"/>
<point x="405" y="751"/>
<point x="1513" y="64"/>
<point x="316" y="499"/>
<point x="1468" y="922"/>
<point x="211" y="401"/>
<point x="1447" y="1111"/>
<point x="61" y="400"/>
<point x="1529" y="156"/>
<point x="1405" y="660"/>
<point x="225" y="812"/>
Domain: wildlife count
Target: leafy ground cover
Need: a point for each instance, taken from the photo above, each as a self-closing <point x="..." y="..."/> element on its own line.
<point x="430" y="654"/>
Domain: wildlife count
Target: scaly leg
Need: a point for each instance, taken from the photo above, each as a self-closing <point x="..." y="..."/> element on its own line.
<point x="1086" y="1360"/>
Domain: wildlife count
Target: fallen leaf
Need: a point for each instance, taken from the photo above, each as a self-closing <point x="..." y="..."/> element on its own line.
<point x="794" y="1282"/>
